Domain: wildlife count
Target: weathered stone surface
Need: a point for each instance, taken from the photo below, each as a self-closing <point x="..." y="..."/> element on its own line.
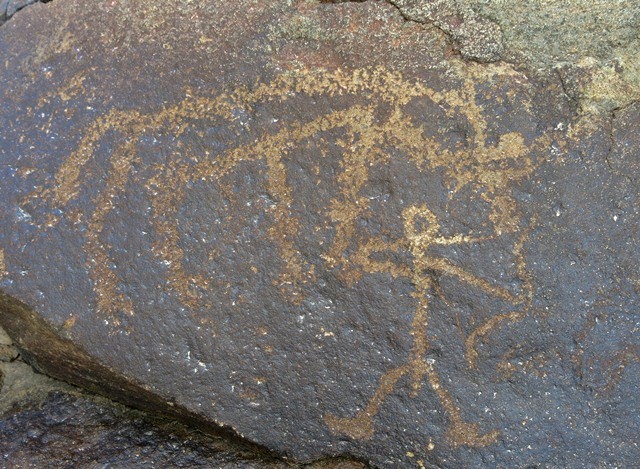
<point x="67" y="430"/>
<point x="8" y="8"/>
<point x="597" y="39"/>
<point x="474" y="36"/>
<point x="47" y="423"/>
<point x="70" y="430"/>
<point x="316" y="225"/>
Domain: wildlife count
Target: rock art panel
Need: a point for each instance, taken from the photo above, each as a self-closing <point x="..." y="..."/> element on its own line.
<point x="330" y="249"/>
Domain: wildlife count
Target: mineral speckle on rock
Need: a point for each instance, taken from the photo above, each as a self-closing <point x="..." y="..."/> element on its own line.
<point x="476" y="37"/>
<point x="71" y="430"/>
<point x="46" y="423"/>
<point x="318" y="226"/>
<point x="8" y="8"/>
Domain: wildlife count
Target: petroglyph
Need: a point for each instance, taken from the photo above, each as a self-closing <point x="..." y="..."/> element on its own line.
<point x="487" y="167"/>
<point x="2" y="265"/>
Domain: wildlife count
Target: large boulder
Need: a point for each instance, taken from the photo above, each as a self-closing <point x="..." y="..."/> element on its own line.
<point x="318" y="226"/>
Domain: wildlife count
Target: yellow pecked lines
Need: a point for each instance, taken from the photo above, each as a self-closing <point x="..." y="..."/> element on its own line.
<point x="460" y="432"/>
<point x="168" y="190"/>
<point x="105" y="280"/>
<point x="273" y="149"/>
<point x="525" y="299"/>
<point x="418" y="365"/>
<point x="66" y="184"/>
<point x="398" y="131"/>
<point x="350" y="205"/>
<point x="360" y="427"/>
<point x="491" y="168"/>
<point x="387" y="86"/>
<point x="484" y="329"/>
<point x="67" y="181"/>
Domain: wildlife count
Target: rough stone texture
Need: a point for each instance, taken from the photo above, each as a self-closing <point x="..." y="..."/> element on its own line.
<point x="549" y="32"/>
<point x="22" y="387"/>
<point x="316" y="225"/>
<point x="72" y="431"/>
<point x="46" y="423"/>
<point x="595" y="39"/>
<point x="8" y="352"/>
<point x="8" y="8"/>
<point x="475" y="37"/>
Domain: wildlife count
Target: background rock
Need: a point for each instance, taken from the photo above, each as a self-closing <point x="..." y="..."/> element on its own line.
<point x="315" y="224"/>
<point x="46" y="423"/>
<point x="597" y="40"/>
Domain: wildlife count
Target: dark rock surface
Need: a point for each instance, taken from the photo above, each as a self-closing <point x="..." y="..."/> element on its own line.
<point x="46" y="423"/>
<point x="76" y="431"/>
<point x="316" y="226"/>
